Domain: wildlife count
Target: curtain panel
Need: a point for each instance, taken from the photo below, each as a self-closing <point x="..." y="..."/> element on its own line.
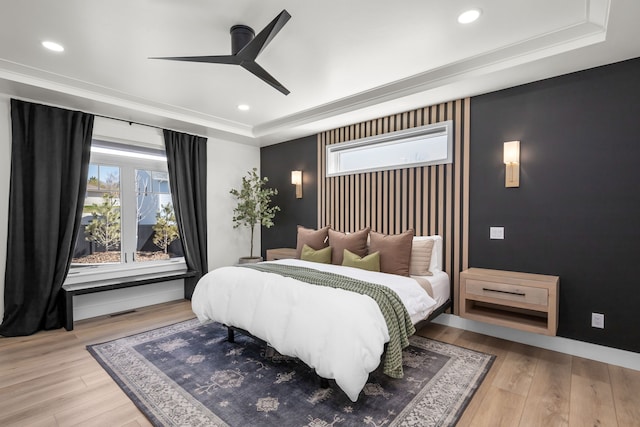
<point x="50" y="154"/>
<point x="187" y="165"/>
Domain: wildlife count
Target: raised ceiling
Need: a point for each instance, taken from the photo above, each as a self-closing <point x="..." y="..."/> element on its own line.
<point x="344" y="61"/>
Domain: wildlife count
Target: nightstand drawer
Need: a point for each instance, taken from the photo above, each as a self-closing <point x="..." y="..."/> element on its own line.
<point x="505" y="291"/>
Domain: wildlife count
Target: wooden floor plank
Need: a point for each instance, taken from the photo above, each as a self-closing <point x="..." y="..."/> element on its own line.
<point x="35" y="420"/>
<point x="547" y="403"/>
<point x="500" y="408"/>
<point x="38" y="371"/>
<point x="120" y="415"/>
<point x="486" y="344"/>
<point x="440" y="332"/>
<point x="29" y="397"/>
<point x="84" y="408"/>
<point x="591" y="401"/>
<point x="591" y="369"/>
<point x="138" y="422"/>
<point x="518" y="367"/>
<point x="625" y="384"/>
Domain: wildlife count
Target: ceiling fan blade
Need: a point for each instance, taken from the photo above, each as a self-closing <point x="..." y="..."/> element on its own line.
<point x="215" y="59"/>
<point x="261" y="73"/>
<point x="259" y="42"/>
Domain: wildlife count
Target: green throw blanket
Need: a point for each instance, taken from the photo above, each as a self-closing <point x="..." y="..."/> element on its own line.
<point x="394" y="312"/>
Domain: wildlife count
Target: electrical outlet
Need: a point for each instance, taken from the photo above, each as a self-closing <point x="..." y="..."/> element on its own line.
<point x="496" y="233"/>
<point x="597" y="320"/>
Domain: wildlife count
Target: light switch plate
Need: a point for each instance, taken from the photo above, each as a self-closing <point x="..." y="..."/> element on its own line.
<point x="597" y="320"/>
<point x="496" y="233"/>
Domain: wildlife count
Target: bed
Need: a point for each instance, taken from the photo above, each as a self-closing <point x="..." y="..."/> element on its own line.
<point x="342" y="335"/>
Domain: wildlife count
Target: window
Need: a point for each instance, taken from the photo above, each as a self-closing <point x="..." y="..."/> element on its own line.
<point x="128" y="215"/>
<point x="421" y="146"/>
<point x="101" y="220"/>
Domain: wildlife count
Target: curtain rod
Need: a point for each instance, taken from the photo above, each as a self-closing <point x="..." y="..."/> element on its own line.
<point x="131" y="122"/>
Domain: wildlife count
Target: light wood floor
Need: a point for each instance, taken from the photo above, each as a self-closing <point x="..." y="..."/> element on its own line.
<point x="49" y="379"/>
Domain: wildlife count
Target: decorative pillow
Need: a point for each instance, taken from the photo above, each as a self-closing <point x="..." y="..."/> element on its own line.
<point x="354" y="242"/>
<point x="421" y="251"/>
<point x="315" y="239"/>
<point x="395" y="251"/>
<point x="436" y="253"/>
<point x="321" y="255"/>
<point x="370" y="262"/>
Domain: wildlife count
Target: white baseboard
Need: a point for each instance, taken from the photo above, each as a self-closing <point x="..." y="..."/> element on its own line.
<point x="612" y="356"/>
<point x="118" y="300"/>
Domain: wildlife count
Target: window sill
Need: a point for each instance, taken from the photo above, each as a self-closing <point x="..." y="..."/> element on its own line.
<point x="118" y="271"/>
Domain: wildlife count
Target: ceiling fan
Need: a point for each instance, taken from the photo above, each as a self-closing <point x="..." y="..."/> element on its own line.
<point x="245" y="48"/>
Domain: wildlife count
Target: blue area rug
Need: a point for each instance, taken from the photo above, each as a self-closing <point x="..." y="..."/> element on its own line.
<point x="187" y="374"/>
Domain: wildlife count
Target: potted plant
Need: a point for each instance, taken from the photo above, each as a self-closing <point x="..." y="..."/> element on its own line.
<point x="254" y="207"/>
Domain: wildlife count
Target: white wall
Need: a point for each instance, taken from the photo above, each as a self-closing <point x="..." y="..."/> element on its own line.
<point x="227" y="162"/>
<point x="119" y="300"/>
<point x="5" y="170"/>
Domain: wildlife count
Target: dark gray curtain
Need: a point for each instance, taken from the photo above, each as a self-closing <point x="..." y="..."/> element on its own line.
<point x="187" y="164"/>
<point x="50" y="154"/>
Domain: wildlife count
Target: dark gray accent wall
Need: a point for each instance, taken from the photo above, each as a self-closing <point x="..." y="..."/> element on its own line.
<point x="577" y="211"/>
<point x="276" y="163"/>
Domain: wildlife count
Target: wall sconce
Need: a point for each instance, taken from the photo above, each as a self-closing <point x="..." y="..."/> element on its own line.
<point x="512" y="162"/>
<point x="296" y="179"/>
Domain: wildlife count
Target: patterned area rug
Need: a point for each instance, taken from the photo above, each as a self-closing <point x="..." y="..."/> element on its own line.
<point x="187" y="374"/>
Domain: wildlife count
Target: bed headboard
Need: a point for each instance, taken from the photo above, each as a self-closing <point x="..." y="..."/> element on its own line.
<point x="429" y="199"/>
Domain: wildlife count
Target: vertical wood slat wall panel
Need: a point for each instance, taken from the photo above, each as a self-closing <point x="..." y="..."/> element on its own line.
<point x="429" y="199"/>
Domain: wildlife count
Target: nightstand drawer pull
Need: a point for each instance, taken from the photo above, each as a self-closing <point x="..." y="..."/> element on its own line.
<point x="520" y="294"/>
<point x="501" y="291"/>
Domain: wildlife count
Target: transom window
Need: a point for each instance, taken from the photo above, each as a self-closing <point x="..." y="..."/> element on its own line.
<point x="421" y="146"/>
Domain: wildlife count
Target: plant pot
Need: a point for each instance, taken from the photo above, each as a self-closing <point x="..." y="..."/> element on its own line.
<point x="249" y="259"/>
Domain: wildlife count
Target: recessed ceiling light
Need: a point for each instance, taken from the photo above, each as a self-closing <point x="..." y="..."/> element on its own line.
<point x="469" y="16"/>
<point x="243" y="107"/>
<point x="53" y="46"/>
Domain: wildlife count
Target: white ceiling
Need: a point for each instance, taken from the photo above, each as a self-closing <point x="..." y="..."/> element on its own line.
<point x="343" y="61"/>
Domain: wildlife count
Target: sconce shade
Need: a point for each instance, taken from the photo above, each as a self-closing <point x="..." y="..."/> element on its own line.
<point x="512" y="162"/>
<point x="296" y="179"/>
<point x="511" y="152"/>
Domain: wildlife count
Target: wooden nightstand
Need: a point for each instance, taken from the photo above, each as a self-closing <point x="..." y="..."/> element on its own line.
<point x="517" y="300"/>
<point x="280" y="253"/>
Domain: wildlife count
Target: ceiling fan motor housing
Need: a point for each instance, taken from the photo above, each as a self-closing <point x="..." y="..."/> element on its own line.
<point x="241" y="35"/>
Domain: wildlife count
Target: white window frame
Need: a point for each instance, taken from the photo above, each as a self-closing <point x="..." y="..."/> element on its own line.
<point x="128" y="201"/>
<point x="420" y="146"/>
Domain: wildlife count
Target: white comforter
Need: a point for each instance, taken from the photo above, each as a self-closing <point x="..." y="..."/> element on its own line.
<point x="338" y="333"/>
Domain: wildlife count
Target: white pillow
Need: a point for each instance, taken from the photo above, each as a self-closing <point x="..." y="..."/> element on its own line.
<point x="436" y="254"/>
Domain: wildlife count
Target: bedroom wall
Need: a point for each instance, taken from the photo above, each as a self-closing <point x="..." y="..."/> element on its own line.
<point x="277" y="162"/>
<point x="227" y="162"/>
<point x="576" y="212"/>
<point x="5" y="171"/>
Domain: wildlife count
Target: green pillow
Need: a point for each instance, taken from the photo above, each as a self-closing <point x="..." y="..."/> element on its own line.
<point x="370" y="262"/>
<point x="321" y="255"/>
